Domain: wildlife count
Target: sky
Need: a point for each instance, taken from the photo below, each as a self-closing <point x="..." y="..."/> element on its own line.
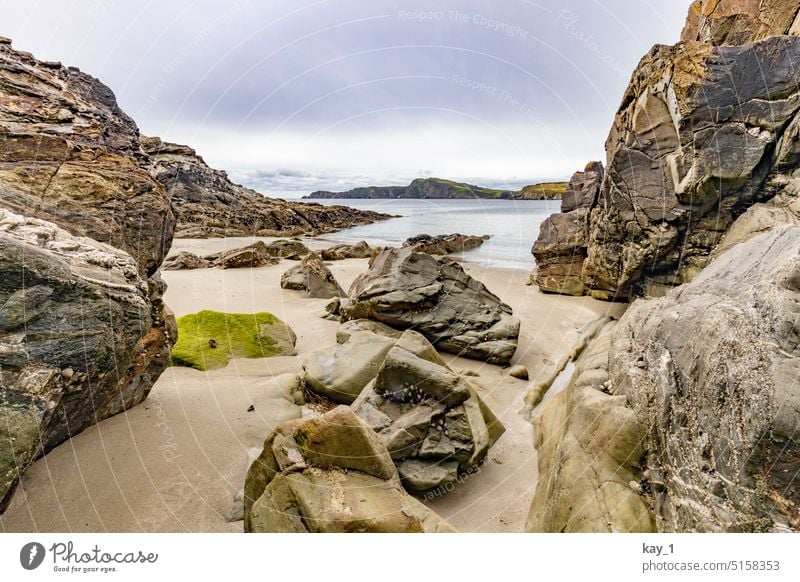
<point x="291" y="96"/>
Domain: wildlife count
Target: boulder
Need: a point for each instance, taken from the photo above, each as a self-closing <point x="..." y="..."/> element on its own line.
<point x="251" y="256"/>
<point x="330" y="474"/>
<point x="445" y="244"/>
<point x="360" y="250"/>
<point x="409" y="290"/>
<point x="185" y="261"/>
<point x="210" y="339"/>
<point x="431" y="420"/>
<point x="313" y="277"/>
<point x="63" y="298"/>
<point x="341" y="373"/>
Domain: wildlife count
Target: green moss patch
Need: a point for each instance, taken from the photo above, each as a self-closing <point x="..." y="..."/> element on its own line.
<point x="209" y="339"/>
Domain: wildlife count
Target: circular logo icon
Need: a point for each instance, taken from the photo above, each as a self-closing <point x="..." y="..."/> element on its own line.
<point x="31" y="555"/>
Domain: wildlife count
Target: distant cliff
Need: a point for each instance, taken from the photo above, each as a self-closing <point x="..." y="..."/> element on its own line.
<point x="208" y="204"/>
<point x="439" y="189"/>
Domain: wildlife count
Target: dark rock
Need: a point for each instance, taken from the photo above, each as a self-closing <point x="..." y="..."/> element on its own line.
<point x="445" y="244"/>
<point x="409" y="290"/>
<point x="313" y="277"/>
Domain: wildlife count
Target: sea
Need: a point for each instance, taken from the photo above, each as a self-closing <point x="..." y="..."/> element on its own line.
<point x="512" y="224"/>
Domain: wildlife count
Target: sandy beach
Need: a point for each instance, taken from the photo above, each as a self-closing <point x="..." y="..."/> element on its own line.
<point x="175" y="462"/>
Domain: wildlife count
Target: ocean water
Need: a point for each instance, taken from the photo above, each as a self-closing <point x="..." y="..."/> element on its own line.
<point x="512" y="224"/>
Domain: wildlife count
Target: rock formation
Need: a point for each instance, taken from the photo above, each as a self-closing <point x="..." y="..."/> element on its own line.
<point x="330" y="474"/>
<point x="209" y="205"/>
<point x="445" y="244"/>
<point x="409" y="290"/>
<point x="258" y="254"/>
<point x="704" y="132"/>
<point x="561" y="248"/>
<point x="695" y="398"/>
<point x="85" y="227"/>
<point x="83" y="336"/>
<point x="313" y="277"/>
<point x="360" y="250"/>
<point x="431" y="420"/>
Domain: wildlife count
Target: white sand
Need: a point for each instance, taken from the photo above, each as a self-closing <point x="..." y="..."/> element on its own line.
<point x="174" y="462"/>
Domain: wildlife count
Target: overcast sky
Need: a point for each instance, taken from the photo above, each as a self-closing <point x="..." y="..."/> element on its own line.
<point x="298" y="95"/>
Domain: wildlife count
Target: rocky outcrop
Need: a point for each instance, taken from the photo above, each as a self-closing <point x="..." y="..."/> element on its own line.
<point x="701" y="387"/>
<point x="360" y="250"/>
<point x="330" y="474"/>
<point x="740" y="21"/>
<point x="589" y="445"/>
<point x="258" y="254"/>
<point x="209" y="205"/>
<point x="561" y="248"/>
<point x="409" y="290"/>
<point x="704" y="132"/>
<point x="70" y="156"/>
<point x="185" y="261"/>
<point x="444" y="244"/>
<point x="80" y="338"/>
<point x="84" y="229"/>
<point x="312" y="277"/>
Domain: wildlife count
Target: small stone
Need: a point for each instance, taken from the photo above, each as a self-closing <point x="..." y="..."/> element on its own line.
<point x="519" y="372"/>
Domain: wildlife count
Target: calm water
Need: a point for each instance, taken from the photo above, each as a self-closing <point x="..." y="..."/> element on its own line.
<point x="513" y="225"/>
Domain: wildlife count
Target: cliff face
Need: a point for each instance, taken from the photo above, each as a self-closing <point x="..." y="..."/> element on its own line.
<point x="208" y="204"/>
<point x="687" y="411"/>
<point x="668" y="195"/>
<point x="83" y="230"/>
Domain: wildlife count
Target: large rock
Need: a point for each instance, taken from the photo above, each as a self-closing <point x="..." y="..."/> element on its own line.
<point x="704" y="132"/>
<point x="431" y="420"/>
<point x="444" y="244"/>
<point x="360" y="250"/>
<point x="696" y="402"/>
<point x="209" y="205"/>
<point x="330" y="474"/>
<point x="409" y="290"/>
<point x="250" y="257"/>
<point x="185" y="260"/>
<point x="561" y="247"/>
<point x="82" y="337"/>
<point x="313" y="277"/>
<point x="85" y="333"/>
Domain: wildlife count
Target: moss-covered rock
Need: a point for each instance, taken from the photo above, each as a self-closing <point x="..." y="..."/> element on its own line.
<point x="209" y="339"/>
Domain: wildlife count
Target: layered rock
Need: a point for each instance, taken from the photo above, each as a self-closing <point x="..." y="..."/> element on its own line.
<point x="85" y="332"/>
<point x="445" y="244"/>
<point x="258" y="254"/>
<point x="409" y="290"/>
<point x="330" y="474"/>
<point x="704" y="132"/>
<point x="709" y="375"/>
<point x="209" y="205"/>
<point x="740" y="21"/>
<point x="79" y="338"/>
<point x="312" y="277"/>
<point x="561" y="247"/>
<point x="360" y="250"/>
